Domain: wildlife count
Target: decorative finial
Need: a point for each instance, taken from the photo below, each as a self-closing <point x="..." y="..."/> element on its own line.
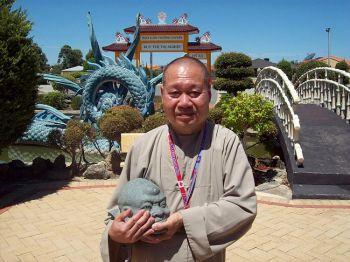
<point x="161" y="18"/>
<point x="205" y="38"/>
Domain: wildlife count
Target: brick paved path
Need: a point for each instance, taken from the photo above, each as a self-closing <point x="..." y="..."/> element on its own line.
<point x="66" y="225"/>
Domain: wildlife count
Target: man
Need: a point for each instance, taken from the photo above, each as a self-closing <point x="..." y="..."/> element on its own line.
<point x="202" y="170"/>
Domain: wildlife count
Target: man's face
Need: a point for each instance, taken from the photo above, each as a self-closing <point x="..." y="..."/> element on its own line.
<point x="186" y="97"/>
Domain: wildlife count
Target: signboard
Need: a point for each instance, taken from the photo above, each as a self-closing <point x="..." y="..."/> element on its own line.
<point x="162" y="38"/>
<point x="154" y="47"/>
<point x="200" y="56"/>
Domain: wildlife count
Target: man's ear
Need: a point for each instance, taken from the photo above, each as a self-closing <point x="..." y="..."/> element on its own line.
<point x="162" y="91"/>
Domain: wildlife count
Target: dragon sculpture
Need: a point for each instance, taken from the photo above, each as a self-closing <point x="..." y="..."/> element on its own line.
<point x="111" y="83"/>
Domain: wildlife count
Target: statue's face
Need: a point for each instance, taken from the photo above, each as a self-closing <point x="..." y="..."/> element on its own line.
<point x="143" y="194"/>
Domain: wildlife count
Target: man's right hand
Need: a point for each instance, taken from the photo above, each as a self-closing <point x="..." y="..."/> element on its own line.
<point x="132" y="230"/>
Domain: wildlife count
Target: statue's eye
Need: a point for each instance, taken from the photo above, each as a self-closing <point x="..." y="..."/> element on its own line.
<point x="147" y="207"/>
<point x="162" y="204"/>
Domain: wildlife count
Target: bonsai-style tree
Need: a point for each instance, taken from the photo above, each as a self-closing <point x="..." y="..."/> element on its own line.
<point x="233" y="72"/>
<point x="19" y="65"/>
<point x="248" y="111"/>
<point x="118" y="120"/>
<point x="76" y="135"/>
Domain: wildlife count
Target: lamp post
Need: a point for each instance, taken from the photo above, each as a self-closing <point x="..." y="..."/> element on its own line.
<point x="328" y="30"/>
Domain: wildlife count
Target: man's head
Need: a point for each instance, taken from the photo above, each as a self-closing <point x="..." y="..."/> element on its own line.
<point x="141" y="193"/>
<point x="186" y="94"/>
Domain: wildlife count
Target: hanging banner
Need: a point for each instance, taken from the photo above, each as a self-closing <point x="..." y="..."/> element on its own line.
<point x="200" y="56"/>
<point x="154" y="47"/>
<point x="161" y="37"/>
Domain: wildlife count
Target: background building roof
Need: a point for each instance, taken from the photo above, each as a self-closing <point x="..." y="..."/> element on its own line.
<point x="261" y="63"/>
<point x="197" y="46"/>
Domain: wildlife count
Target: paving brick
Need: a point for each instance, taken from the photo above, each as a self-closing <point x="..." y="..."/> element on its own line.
<point x="66" y="225"/>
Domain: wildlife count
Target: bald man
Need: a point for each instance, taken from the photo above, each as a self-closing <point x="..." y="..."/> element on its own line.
<point x="202" y="170"/>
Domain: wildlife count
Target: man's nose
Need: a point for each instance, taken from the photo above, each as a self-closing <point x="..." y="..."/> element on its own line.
<point x="185" y="100"/>
<point x="157" y="211"/>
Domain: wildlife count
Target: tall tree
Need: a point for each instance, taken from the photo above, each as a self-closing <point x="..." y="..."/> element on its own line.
<point x="69" y="57"/>
<point x="43" y="65"/>
<point x="19" y="65"/>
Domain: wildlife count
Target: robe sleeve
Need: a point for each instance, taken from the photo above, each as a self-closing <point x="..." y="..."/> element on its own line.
<point x="213" y="227"/>
<point x="110" y="250"/>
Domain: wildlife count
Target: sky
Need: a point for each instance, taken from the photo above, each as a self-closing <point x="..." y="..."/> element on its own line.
<point x="273" y="29"/>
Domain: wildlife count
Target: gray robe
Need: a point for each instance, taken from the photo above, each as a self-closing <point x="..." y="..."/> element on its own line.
<point x="223" y="204"/>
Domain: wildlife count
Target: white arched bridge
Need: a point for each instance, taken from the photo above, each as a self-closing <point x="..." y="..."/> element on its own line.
<point x="313" y="117"/>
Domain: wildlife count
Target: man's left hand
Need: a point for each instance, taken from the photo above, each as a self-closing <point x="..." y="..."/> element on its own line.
<point x="170" y="226"/>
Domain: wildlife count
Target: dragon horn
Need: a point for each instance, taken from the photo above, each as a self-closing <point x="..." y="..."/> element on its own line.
<point x="94" y="44"/>
<point x="132" y="48"/>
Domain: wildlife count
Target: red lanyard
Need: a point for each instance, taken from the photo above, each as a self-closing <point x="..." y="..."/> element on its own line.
<point x="186" y="197"/>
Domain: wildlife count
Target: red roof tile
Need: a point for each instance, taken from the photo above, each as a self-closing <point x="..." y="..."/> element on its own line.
<point x="116" y="47"/>
<point x="192" y="46"/>
<point x="196" y="46"/>
<point x="164" y="28"/>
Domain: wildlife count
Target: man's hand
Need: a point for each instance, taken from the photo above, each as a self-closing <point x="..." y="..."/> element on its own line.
<point x="132" y="230"/>
<point x="170" y="226"/>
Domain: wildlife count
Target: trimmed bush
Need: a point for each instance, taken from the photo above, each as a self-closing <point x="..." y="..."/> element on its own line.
<point x="232" y="86"/>
<point x="119" y="119"/>
<point x="154" y="121"/>
<point x="76" y="102"/>
<point x="215" y="115"/>
<point x="54" y="99"/>
<point x="233" y="71"/>
<point x="229" y="60"/>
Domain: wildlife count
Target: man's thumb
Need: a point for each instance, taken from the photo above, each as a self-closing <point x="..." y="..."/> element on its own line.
<point x="121" y="217"/>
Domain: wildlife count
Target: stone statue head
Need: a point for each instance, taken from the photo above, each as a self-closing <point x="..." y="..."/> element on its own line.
<point x="141" y="193"/>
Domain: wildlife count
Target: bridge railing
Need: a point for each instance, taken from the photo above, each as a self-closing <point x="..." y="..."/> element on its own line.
<point x="328" y="88"/>
<point x="274" y="85"/>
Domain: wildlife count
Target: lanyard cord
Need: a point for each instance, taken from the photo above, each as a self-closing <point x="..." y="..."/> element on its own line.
<point x="186" y="197"/>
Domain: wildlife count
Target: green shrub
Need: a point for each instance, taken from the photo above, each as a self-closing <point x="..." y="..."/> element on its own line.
<point x="233" y="71"/>
<point x="229" y="60"/>
<point x="247" y="111"/>
<point x="306" y="66"/>
<point x="154" y="121"/>
<point x="215" y="115"/>
<point x="286" y="67"/>
<point x="76" y="75"/>
<point x="342" y="65"/>
<point x="119" y="119"/>
<point x="76" y="102"/>
<point x="232" y="86"/>
<point x="54" y="99"/>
